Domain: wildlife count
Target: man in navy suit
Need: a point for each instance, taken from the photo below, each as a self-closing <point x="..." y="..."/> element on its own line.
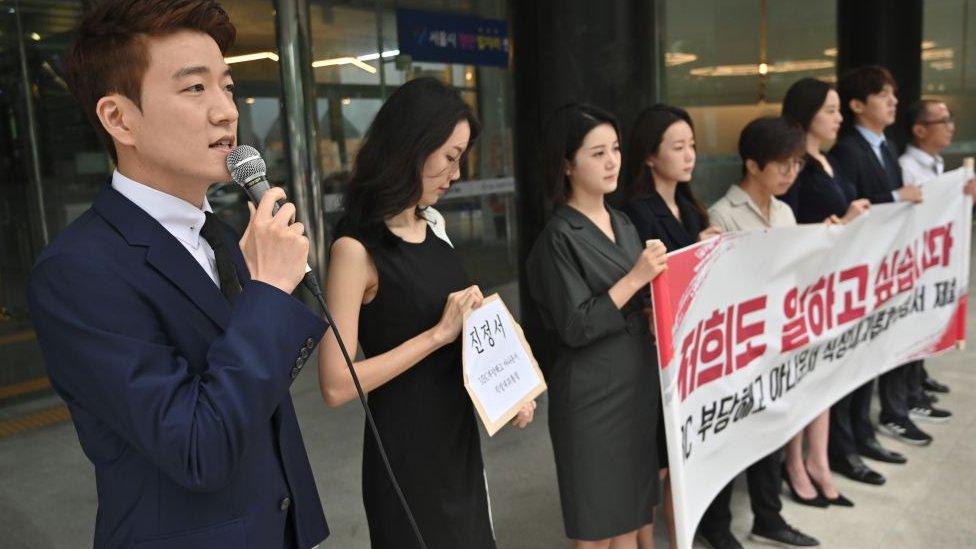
<point x="174" y="345"/>
<point x="868" y="162"/>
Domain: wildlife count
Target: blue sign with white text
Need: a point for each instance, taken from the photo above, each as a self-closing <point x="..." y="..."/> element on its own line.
<point x="449" y="38"/>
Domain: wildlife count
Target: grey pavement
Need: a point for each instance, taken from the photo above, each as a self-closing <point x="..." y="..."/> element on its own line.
<point x="47" y="490"/>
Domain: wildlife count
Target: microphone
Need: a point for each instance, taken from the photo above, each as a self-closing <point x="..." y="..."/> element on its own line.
<point x="249" y="170"/>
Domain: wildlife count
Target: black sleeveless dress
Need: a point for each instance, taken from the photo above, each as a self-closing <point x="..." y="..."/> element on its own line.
<point x="425" y="417"/>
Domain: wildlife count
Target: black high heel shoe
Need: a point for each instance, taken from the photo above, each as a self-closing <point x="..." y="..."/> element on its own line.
<point x="817" y="501"/>
<point x="839" y="501"/>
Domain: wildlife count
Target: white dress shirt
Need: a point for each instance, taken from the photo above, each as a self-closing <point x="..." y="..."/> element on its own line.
<point x="737" y="212"/>
<point x="918" y="166"/>
<point x="180" y="218"/>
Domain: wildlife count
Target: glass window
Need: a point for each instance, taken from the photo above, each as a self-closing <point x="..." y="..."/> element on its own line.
<point x="729" y="61"/>
<point x="51" y="160"/>
<point x="949" y="67"/>
<point x="354" y="72"/>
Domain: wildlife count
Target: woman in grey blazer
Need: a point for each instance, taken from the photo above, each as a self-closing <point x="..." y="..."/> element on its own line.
<point x="588" y="274"/>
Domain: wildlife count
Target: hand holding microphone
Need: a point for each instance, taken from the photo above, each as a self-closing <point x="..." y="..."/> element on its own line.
<point x="274" y="248"/>
<point x="272" y="243"/>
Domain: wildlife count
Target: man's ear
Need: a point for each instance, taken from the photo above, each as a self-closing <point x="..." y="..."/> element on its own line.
<point x="919" y="131"/>
<point x="856" y="105"/>
<point x="115" y="112"/>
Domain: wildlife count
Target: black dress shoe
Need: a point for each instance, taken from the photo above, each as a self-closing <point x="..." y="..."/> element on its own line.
<point x="720" y="540"/>
<point x="853" y="467"/>
<point x="873" y="449"/>
<point x="839" y="501"/>
<point x="934" y="386"/>
<point x="787" y="535"/>
<point x="815" y="501"/>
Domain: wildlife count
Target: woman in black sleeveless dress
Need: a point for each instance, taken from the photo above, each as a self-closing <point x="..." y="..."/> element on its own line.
<point x="402" y="292"/>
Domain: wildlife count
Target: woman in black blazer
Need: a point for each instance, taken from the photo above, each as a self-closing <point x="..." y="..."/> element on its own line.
<point x="660" y="163"/>
<point x="660" y="203"/>
<point x="588" y="274"/>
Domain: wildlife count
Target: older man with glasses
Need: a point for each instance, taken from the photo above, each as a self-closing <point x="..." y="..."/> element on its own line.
<point x="932" y="128"/>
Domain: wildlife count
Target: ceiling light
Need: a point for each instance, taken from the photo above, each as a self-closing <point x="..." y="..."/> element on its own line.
<point x="35" y="37"/>
<point x="344" y="61"/>
<point x="249" y="100"/>
<point x="937" y="55"/>
<point x="763" y="68"/>
<point x="375" y="56"/>
<point x="251" y="57"/>
<point x="346" y="101"/>
<point x="830" y="52"/>
<point x="675" y="58"/>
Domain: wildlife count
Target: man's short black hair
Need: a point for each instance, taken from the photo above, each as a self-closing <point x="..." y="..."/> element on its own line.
<point x="770" y="139"/>
<point x="861" y="82"/>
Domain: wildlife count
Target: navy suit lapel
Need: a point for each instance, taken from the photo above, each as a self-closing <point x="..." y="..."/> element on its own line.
<point x="164" y="253"/>
<point x="868" y="152"/>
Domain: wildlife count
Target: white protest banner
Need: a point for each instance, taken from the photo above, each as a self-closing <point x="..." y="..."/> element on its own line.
<point x="760" y="331"/>
<point x="500" y="373"/>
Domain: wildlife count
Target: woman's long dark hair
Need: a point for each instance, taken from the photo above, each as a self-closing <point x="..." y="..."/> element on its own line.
<point x="803" y="100"/>
<point x="564" y="134"/>
<point x="387" y="176"/>
<point x="645" y="141"/>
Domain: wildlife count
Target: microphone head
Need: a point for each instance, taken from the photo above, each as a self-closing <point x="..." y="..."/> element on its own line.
<point x="245" y="163"/>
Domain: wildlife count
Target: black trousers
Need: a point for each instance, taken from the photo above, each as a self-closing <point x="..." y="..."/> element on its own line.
<point x="850" y="421"/>
<point x="900" y="390"/>
<point x="764" y="479"/>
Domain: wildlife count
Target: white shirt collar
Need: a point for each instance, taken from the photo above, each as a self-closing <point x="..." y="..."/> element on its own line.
<point x="873" y="139"/>
<point x="180" y="218"/>
<point x="925" y="158"/>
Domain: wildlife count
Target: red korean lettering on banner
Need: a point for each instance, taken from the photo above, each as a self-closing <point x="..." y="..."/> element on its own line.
<point x="855" y="283"/>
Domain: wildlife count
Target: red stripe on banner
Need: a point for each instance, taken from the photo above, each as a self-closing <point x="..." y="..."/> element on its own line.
<point x="663" y="319"/>
<point x="669" y="287"/>
<point x="955" y="332"/>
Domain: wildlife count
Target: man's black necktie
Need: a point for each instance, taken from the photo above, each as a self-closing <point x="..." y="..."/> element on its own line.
<point x="890" y="165"/>
<point x="230" y="285"/>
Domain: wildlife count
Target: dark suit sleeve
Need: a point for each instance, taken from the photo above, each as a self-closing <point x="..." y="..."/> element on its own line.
<point x="108" y="355"/>
<point x="557" y="285"/>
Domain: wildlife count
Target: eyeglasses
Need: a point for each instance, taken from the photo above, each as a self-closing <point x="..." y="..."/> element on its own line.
<point x="948" y="121"/>
<point x="788" y="166"/>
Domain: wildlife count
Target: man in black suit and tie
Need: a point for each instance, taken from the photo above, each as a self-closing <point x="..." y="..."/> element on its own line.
<point x="868" y="162"/>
